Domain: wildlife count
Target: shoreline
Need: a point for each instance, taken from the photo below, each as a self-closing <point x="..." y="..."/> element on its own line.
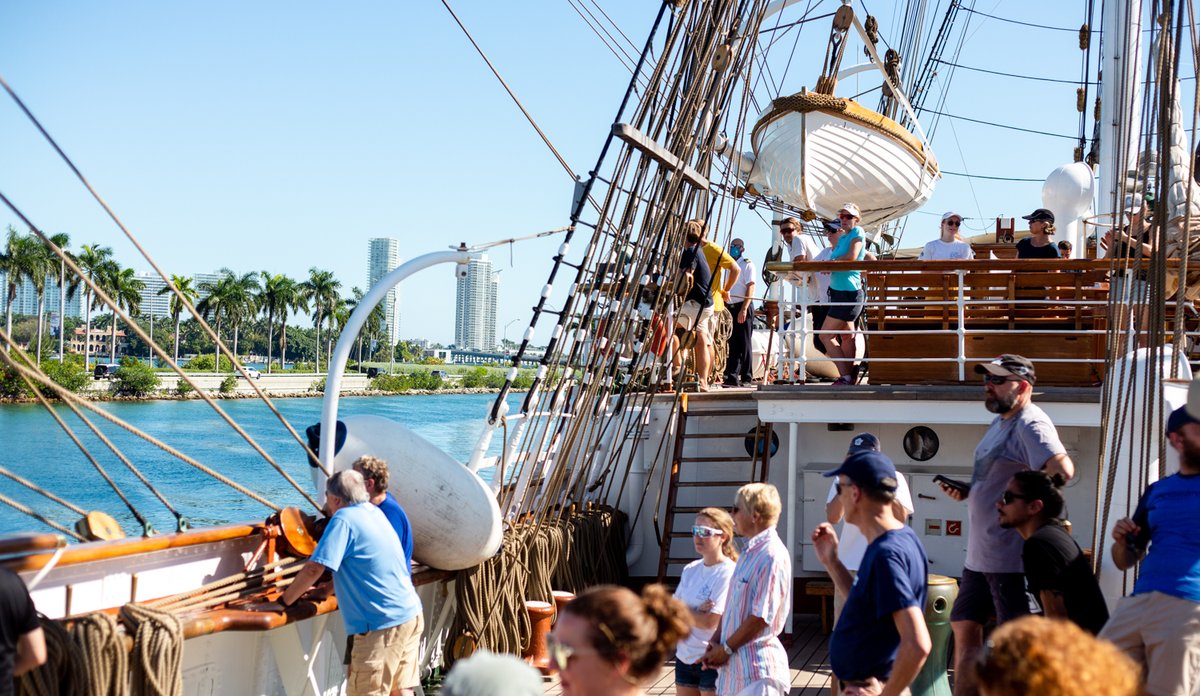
<point x="192" y="396"/>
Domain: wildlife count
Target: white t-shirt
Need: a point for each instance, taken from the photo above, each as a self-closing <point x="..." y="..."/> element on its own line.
<point x="697" y="584"/>
<point x="823" y="277"/>
<point x="802" y="244"/>
<point x="851" y="542"/>
<point x="738" y="292"/>
<point x="937" y="250"/>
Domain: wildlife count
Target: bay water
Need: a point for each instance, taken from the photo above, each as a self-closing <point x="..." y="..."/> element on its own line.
<point x="35" y="447"/>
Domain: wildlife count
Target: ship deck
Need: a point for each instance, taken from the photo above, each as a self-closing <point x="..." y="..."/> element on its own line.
<point x="808" y="655"/>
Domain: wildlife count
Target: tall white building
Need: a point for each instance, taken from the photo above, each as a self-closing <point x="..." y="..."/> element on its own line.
<point x="383" y="256"/>
<point x="475" y="307"/>
<point x="154" y="304"/>
<point x="26" y="299"/>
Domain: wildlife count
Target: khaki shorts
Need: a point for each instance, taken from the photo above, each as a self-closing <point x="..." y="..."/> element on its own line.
<point x="691" y="316"/>
<point x="1161" y="633"/>
<point x="387" y="659"/>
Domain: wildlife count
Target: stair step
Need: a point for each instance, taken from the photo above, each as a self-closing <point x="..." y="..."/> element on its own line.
<point x="730" y="460"/>
<point x="711" y="484"/>
<point x="697" y="436"/>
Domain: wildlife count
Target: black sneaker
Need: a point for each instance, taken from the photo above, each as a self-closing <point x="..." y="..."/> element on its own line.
<point x="731" y="382"/>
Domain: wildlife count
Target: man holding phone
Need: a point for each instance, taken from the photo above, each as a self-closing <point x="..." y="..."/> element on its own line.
<point x="1020" y="437"/>
<point x="1159" y="624"/>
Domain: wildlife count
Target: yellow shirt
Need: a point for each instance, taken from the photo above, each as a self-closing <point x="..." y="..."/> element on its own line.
<point x="717" y="260"/>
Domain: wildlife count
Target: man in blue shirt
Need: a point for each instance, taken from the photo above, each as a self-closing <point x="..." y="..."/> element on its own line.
<point x="1159" y="624"/>
<point x="374" y="589"/>
<point x="376" y="475"/>
<point x="880" y="641"/>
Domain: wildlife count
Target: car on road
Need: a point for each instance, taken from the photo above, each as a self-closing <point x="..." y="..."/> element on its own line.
<point x="105" y="371"/>
<point x="440" y="374"/>
<point x="251" y="372"/>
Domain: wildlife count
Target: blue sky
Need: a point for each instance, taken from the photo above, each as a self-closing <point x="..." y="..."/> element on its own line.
<point x="280" y="136"/>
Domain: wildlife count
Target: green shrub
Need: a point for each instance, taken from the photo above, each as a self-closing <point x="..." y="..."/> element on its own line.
<point x="12" y="386"/>
<point x="317" y="385"/>
<point x="302" y="367"/>
<point x="69" y="374"/>
<point x="135" y="378"/>
<point x="204" y="363"/>
<point x="182" y="388"/>
<point x="407" y="382"/>
<point x="228" y="385"/>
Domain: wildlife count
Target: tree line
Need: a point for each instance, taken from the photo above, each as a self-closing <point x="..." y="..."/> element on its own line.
<point x="254" y="306"/>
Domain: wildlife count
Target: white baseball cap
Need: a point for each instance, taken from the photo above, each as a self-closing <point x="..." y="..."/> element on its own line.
<point x="852" y="209"/>
<point x="947" y="215"/>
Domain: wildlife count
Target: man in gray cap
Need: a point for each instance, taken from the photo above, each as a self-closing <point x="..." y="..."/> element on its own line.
<point x="1159" y="624"/>
<point x="1020" y="437"/>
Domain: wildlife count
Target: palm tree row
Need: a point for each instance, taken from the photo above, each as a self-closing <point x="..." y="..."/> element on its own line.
<point x="228" y="302"/>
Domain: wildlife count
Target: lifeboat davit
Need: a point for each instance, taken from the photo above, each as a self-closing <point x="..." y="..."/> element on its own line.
<point x="454" y="514"/>
<point x="817" y="152"/>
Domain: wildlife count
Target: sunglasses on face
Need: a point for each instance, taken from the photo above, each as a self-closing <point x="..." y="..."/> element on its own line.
<point x="954" y="223"/>
<point x="560" y="654"/>
<point x="838" y="487"/>
<point x="996" y="380"/>
<point x="845" y="216"/>
<point x="702" y="532"/>
<point x="1009" y="496"/>
<point x="787" y="230"/>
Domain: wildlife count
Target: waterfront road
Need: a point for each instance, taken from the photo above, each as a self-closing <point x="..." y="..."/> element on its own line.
<point x="284" y="383"/>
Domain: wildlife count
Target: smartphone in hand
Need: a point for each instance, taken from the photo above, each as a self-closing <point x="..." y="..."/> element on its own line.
<point x="959" y="486"/>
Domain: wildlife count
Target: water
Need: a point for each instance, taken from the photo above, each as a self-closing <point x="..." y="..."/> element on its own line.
<point x="36" y="448"/>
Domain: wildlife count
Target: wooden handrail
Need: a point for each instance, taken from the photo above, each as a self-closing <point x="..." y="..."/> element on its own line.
<point x="101" y="550"/>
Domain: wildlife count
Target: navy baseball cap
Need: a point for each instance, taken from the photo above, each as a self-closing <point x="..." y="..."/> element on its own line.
<point x="869" y="469"/>
<point x="1179" y="418"/>
<point x="864" y="442"/>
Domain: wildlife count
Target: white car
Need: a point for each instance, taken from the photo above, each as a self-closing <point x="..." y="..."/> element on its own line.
<point x="251" y="372"/>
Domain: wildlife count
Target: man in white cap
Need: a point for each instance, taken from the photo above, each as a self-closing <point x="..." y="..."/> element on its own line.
<point x="948" y="246"/>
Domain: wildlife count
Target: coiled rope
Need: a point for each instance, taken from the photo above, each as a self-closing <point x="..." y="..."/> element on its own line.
<point x="64" y="673"/>
<point x="156" y="665"/>
<point x="103" y="654"/>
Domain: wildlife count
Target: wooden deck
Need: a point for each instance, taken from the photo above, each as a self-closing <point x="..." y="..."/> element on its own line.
<point x="808" y="655"/>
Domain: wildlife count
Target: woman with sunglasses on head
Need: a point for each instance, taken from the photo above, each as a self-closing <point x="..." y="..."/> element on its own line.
<point x="845" y="295"/>
<point x="703" y="586"/>
<point x="608" y="640"/>
<point x="949" y="246"/>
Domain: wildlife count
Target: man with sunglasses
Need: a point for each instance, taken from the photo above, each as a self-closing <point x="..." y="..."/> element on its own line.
<point x="880" y="641"/>
<point x="1057" y="573"/>
<point x="949" y="245"/>
<point x="1020" y="437"/>
<point x="1159" y="624"/>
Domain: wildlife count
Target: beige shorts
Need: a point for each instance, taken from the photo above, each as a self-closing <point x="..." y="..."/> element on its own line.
<point x="690" y="315"/>
<point x="1161" y="633"/>
<point x="387" y="659"/>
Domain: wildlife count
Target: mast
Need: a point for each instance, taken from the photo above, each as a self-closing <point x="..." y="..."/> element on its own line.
<point x="1120" y="100"/>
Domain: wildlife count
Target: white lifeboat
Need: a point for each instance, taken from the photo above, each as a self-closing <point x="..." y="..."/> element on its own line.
<point x="817" y="152"/>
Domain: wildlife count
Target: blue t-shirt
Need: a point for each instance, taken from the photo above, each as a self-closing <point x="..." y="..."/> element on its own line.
<point x="1172" y="563"/>
<point x="847" y="281"/>
<point x="892" y="576"/>
<point x="370" y="576"/>
<point x="693" y="260"/>
<point x="395" y="514"/>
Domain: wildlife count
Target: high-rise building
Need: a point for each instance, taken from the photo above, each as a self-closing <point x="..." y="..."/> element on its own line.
<point x="200" y="279"/>
<point x="383" y="256"/>
<point x="475" y="307"/>
<point x="154" y="304"/>
<point x="26" y="300"/>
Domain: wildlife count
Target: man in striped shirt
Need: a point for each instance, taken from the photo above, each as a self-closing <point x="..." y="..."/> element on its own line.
<point x="746" y="648"/>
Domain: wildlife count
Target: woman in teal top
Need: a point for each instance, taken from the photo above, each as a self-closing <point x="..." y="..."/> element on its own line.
<point x="845" y="290"/>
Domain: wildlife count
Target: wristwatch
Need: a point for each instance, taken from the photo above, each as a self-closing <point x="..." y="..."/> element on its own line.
<point x="728" y="650"/>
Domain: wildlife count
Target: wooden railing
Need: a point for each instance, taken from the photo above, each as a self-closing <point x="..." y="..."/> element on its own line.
<point x="931" y="321"/>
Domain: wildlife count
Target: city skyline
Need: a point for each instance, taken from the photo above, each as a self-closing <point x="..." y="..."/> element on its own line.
<point x="383" y="256"/>
<point x="475" y="306"/>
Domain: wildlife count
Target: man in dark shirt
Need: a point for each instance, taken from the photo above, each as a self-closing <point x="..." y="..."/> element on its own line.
<point x="697" y="310"/>
<point x="1057" y="573"/>
<point x="880" y="641"/>
<point x="22" y="644"/>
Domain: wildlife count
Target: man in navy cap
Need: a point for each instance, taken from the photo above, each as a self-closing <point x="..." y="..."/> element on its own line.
<point x="1020" y="437"/>
<point x="880" y="641"/>
<point x="1159" y="624"/>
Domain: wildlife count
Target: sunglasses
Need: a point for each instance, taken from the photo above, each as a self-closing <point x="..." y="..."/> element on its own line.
<point x="838" y="486"/>
<point x="997" y="380"/>
<point x="787" y="230"/>
<point x="705" y="532"/>
<point x="954" y="223"/>
<point x="560" y="654"/>
<point x="845" y="216"/>
<point x="1009" y="496"/>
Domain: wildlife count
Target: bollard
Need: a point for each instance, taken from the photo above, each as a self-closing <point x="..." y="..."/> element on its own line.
<point x="561" y="599"/>
<point x="541" y="617"/>
<point x="932" y="680"/>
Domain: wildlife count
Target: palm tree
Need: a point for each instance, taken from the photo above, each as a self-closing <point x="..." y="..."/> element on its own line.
<point x="322" y="288"/>
<point x="242" y="302"/>
<point x="66" y="288"/>
<point x="216" y="305"/>
<point x="20" y="260"/>
<point x="92" y="261"/>
<point x="337" y="321"/>
<point x="372" y="328"/>
<point x="277" y="295"/>
<point x="183" y="290"/>
<point x="126" y="292"/>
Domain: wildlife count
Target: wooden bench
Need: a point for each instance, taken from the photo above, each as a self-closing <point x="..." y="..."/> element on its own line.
<point x="824" y="590"/>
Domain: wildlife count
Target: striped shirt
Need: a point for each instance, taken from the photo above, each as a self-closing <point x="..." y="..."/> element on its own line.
<point x="762" y="587"/>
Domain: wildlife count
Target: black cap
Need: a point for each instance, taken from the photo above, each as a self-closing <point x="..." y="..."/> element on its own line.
<point x="1179" y="418"/>
<point x="1009" y="365"/>
<point x="1040" y="214"/>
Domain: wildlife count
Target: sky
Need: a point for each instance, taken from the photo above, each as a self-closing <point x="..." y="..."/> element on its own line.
<point x="282" y="136"/>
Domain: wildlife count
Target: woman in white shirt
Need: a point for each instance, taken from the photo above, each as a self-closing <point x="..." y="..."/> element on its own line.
<point x="703" y="587"/>
<point x="949" y="246"/>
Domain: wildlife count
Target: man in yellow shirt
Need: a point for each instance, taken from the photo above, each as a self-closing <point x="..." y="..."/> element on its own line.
<point x="717" y="259"/>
